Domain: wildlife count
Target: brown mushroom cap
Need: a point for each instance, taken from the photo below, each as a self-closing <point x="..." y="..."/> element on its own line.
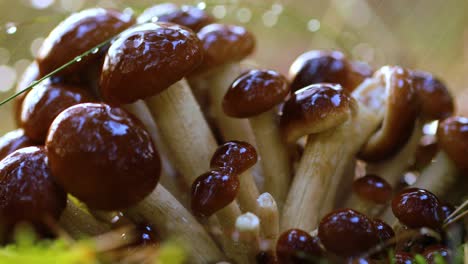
<point x="44" y="102"/>
<point x="436" y="100"/>
<point x="223" y="44"/>
<point x="77" y="34"/>
<point x="145" y="60"/>
<point x="255" y="92"/>
<point x="373" y="188"/>
<point x="297" y="246"/>
<point x="213" y="191"/>
<point x="27" y="190"/>
<point x="30" y="74"/>
<point x="400" y="112"/>
<point x="314" y="109"/>
<point x="238" y="155"/>
<point x="103" y="156"/>
<point x="14" y="140"/>
<point x="187" y="16"/>
<point x="452" y="137"/>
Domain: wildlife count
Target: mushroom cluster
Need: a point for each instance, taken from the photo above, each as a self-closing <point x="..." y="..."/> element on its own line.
<point x="163" y="128"/>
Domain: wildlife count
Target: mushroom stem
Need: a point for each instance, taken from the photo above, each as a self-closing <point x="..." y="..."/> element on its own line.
<point x="269" y="217"/>
<point x="392" y="169"/>
<point x="248" y="229"/>
<point x="184" y="129"/>
<point x="322" y="168"/>
<point x="79" y="223"/>
<point x="273" y="155"/>
<point x="171" y="219"/>
<point x="248" y="192"/>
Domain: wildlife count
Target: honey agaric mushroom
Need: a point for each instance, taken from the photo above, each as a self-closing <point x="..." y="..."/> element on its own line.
<point x="28" y="192"/>
<point x="77" y="34"/>
<point x="268" y="213"/>
<point x="187" y="16"/>
<point x="103" y="156"/>
<point x="30" y="74"/>
<point x="240" y="156"/>
<point x="320" y="66"/>
<point x="177" y="52"/>
<point x="224" y="46"/>
<point x="214" y="193"/>
<point x="248" y="230"/>
<point x="255" y="95"/>
<point x="370" y="194"/>
<point x="297" y="246"/>
<point x="44" y="102"/>
<point x="12" y="141"/>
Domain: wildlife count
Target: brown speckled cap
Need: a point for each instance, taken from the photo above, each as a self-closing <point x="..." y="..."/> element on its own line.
<point x="394" y="96"/>
<point x="79" y="33"/>
<point x="313" y="109"/>
<point x="238" y="155"/>
<point x="373" y="188"/>
<point x="255" y="92"/>
<point x="44" y="102"/>
<point x="103" y="156"/>
<point x="188" y="16"/>
<point x="145" y="60"/>
<point x="224" y="44"/>
<point x="436" y="100"/>
<point x="14" y="140"/>
<point x="452" y="137"/>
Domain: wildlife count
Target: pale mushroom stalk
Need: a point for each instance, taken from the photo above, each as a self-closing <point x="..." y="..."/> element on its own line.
<point x="269" y="218"/>
<point x="248" y="230"/>
<point x="248" y="192"/>
<point x="79" y="223"/>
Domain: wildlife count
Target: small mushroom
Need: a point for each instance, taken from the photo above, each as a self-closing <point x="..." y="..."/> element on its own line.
<point x="347" y="233"/>
<point x="77" y="34"/>
<point x="187" y="16"/>
<point x="177" y="52"/>
<point x="432" y="253"/>
<point x="255" y="95"/>
<point x="240" y="156"/>
<point x="12" y="141"/>
<point x="297" y="246"/>
<point x="320" y="66"/>
<point x="370" y="194"/>
<point x="30" y="74"/>
<point x="104" y="157"/>
<point x="28" y="192"/>
<point x="269" y="217"/>
<point x="248" y="230"/>
<point x="44" y="103"/>
<point x="418" y="208"/>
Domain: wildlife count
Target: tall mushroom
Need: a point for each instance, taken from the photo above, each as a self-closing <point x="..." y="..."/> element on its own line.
<point x="103" y="156"/>
<point x="149" y="62"/>
<point x="255" y="95"/>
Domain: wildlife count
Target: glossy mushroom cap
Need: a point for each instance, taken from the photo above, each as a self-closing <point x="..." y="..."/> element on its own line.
<point x="238" y="155"/>
<point x="403" y="258"/>
<point x="44" y="102"/>
<point x="77" y="34"/>
<point x="187" y="16"/>
<point x="255" y="92"/>
<point x="103" y="156"/>
<point x="14" y="140"/>
<point x="391" y="95"/>
<point x="223" y="44"/>
<point x="373" y="188"/>
<point x="320" y="66"/>
<point x="447" y="210"/>
<point x="417" y="208"/>
<point x="436" y="100"/>
<point x="297" y="246"/>
<point x="27" y="190"/>
<point x="145" y="60"/>
<point x="314" y="109"/>
<point x="347" y="233"/>
<point x="213" y="190"/>
<point x="452" y="137"/>
<point x="30" y="74"/>
<point x="384" y="231"/>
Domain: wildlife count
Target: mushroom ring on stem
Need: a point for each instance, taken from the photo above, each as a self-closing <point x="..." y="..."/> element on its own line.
<point x="149" y="62"/>
<point x="103" y="156"/>
<point x="255" y="95"/>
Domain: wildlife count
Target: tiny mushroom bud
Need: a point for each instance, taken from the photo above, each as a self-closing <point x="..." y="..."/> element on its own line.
<point x="213" y="191"/>
<point x="297" y="246"/>
<point x="384" y="231"/>
<point x="347" y="233"/>
<point x="103" y="156"/>
<point x="417" y="208"/>
<point x="44" y="103"/>
<point x="373" y="188"/>
<point x="28" y="192"/>
<point x="77" y="34"/>
<point x="188" y="16"/>
<point x="12" y="141"/>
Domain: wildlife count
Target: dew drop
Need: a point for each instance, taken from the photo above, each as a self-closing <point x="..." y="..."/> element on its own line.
<point x="201" y="5"/>
<point x="11" y="28"/>
<point x="94" y="51"/>
<point x="78" y="59"/>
